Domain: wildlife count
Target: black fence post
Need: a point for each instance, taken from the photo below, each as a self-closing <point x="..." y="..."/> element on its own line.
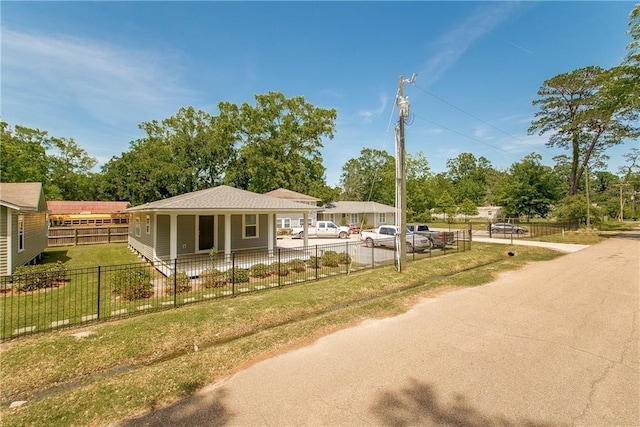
<point x="373" y="261"/>
<point x="233" y="274"/>
<point x="279" y="266"/>
<point x="175" y="282"/>
<point x="316" y="263"/>
<point x="99" y="280"/>
<point x="348" y="257"/>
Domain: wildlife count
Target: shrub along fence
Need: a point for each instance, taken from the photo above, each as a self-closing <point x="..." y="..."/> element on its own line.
<point x="48" y="297"/>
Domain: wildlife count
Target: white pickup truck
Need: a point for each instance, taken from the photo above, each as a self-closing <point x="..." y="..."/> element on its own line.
<point x="323" y="229"/>
<point x="385" y="236"/>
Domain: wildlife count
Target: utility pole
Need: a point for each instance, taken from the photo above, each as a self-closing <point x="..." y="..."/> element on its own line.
<point x="401" y="189"/>
<point x="620" y="186"/>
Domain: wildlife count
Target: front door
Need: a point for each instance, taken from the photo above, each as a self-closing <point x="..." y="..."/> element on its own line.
<point x="205" y="232"/>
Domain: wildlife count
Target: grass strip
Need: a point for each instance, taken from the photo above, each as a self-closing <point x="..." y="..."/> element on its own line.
<point x="133" y="365"/>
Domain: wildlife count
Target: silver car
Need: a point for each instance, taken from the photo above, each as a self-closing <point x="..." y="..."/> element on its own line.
<point x="506" y="228"/>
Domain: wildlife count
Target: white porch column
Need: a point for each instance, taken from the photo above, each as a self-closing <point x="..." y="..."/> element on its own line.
<point x="173" y="236"/>
<point x="305" y="227"/>
<point x="227" y="236"/>
<point x="271" y="236"/>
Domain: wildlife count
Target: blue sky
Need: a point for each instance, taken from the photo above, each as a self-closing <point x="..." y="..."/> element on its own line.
<point x="93" y="71"/>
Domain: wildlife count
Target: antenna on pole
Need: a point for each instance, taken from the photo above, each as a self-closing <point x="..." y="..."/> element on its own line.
<point x="401" y="177"/>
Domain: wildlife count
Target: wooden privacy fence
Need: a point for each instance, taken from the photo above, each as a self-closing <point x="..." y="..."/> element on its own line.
<point x="74" y="236"/>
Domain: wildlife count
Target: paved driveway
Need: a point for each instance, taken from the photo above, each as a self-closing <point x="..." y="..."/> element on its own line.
<point x="556" y="343"/>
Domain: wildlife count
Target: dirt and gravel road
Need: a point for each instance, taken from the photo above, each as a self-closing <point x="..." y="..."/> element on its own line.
<point x="555" y="343"/>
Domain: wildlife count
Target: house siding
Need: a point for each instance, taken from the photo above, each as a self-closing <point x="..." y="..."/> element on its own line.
<point x="35" y="237"/>
<point x="4" y="252"/>
<point x="143" y="244"/>
<point x="186" y="234"/>
<point x="163" y="235"/>
<point x="236" y="237"/>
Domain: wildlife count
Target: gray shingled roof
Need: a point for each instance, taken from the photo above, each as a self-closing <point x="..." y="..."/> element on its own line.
<point x="357" y="207"/>
<point x="21" y="195"/>
<point x="283" y="193"/>
<point x="223" y="198"/>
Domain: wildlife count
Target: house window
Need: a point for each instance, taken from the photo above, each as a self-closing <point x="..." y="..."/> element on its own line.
<point x="382" y="218"/>
<point x="20" y="233"/>
<point x="301" y="222"/>
<point x="148" y="224"/>
<point x="354" y="218"/>
<point x="137" y="229"/>
<point x="250" y="226"/>
<point x="283" y="223"/>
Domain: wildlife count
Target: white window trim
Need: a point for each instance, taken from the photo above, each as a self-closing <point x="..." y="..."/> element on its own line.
<point x="137" y="228"/>
<point x="245" y="225"/>
<point x="21" y="244"/>
<point x="382" y="217"/>
<point x="148" y="224"/>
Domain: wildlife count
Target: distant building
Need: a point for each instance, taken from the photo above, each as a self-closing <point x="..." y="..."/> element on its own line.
<point x="289" y="220"/>
<point x="369" y="214"/>
<point x="484" y="212"/>
<point x="79" y="213"/>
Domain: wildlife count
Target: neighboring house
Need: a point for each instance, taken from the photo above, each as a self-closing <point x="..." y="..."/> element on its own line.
<point x="489" y="212"/>
<point x="289" y="220"/>
<point x="366" y="214"/>
<point x="223" y="217"/>
<point x="484" y="212"/>
<point x="23" y="224"/>
<point x="78" y="213"/>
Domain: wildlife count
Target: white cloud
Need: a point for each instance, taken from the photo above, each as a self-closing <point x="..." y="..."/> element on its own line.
<point x="369" y="115"/>
<point x="451" y="46"/>
<point x="84" y="77"/>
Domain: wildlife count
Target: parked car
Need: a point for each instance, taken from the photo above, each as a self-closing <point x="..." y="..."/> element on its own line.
<point x="323" y="229"/>
<point x="506" y="228"/>
<point x="354" y="228"/>
<point x="385" y="236"/>
<point x="439" y="239"/>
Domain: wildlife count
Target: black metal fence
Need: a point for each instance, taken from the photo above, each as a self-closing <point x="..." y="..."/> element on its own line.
<point x="54" y="297"/>
<point x="531" y="230"/>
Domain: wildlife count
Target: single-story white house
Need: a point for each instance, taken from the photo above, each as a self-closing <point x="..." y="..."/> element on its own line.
<point x="223" y="217"/>
<point x="484" y="212"/>
<point x="23" y="224"/>
<point x="286" y="221"/>
<point x="371" y="214"/>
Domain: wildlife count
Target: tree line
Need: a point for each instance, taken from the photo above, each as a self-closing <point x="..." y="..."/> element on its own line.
<point x="276" y="143"/>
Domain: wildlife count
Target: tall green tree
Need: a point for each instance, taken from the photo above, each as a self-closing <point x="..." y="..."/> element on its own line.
<point x="582" y="116"/>
<point x="470" y="176"/>
<point x="279" y="141"/>
<point x="532" y="188"/>
<point x="370" y="177"/>
<point x="420" y="194"/>
<point x="60" y="164"/>
<point x="23" y="154"/>
<point x="71" y="171"/>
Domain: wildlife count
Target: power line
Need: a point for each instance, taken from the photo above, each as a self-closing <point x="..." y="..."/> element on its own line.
<point x="467" y="136"/>
<point x="444" y="101"/>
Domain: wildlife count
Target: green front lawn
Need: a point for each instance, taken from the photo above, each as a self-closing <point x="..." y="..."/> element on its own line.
<point x="84" y="256"/>
<point x="128" y="366"/>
